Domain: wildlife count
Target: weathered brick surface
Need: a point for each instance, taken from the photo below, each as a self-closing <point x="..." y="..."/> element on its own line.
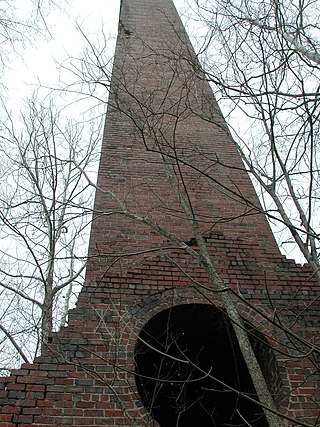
<point x="85" y="377"/>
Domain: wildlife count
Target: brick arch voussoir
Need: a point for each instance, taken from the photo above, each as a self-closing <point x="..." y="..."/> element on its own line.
<point x="139" y="315"/>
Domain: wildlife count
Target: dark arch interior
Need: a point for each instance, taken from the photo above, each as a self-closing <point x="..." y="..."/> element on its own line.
<point x="180" y="394"/>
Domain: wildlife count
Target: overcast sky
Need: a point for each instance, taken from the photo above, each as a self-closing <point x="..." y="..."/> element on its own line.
<point x="38" y="61"/>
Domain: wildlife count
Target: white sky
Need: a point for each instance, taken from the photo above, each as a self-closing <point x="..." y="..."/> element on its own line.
<point x="37" y="62"/>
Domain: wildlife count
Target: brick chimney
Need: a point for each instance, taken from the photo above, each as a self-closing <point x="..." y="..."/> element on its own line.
<point x="149" y="343"/>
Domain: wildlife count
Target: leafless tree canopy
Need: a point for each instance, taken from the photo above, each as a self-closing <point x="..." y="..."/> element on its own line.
<point x="20" y="24"/>
<point x="263" y="61"/>
<point x="45" y="214"/>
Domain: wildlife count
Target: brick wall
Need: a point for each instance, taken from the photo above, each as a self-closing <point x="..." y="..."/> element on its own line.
<point x="86" y="376"/>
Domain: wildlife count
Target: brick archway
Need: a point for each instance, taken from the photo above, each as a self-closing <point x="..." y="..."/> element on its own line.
<point x="201" y="337"/>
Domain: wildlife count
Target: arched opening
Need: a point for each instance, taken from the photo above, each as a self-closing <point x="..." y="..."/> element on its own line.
<point x="179" y="352"/>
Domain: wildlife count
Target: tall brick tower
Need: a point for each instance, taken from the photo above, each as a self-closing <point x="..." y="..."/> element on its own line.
<point x="177" y="226"/>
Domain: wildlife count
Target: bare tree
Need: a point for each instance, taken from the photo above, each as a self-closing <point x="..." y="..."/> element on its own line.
<point x="263" y="61"/>
<point x="19" y="24"/>
<point x="45" y="213"/>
